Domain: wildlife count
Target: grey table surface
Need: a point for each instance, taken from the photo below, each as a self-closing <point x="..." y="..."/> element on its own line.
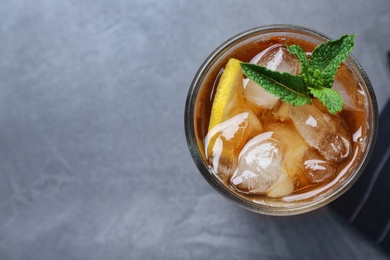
<point x="94" y="162"/>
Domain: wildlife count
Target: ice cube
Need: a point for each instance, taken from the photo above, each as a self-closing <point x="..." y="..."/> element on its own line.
<point x="274" y="58"/>
<point x="353" y="100"/>
<point x="278" y="58"/>
<point x="325" y="133"/>
<point x="282" y="111"/>
<point x="294" y="147"/>
<point x="260" y="165"/>
<point x="257" y="97"/>
<point x="352" y="92"/>
<point x="317" y="169"/>
<point x="284" y="187"/>
<point x="224" y="142"/>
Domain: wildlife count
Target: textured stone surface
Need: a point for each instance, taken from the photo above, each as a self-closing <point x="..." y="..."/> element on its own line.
<point x="94" y="162"/>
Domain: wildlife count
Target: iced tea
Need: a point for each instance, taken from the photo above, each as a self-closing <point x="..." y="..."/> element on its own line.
<point x="270" y="156"/>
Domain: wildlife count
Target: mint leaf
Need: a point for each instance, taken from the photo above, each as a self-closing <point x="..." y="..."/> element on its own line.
<point x="290" y="88"/>
<point x="301" y="55"/>
<point x="326" y="59"/>
<point x="329" y="97"/>
<point x="317" y="74"/>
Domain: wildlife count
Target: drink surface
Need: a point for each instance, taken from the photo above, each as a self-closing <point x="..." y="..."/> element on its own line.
<point x="270" y="152"/>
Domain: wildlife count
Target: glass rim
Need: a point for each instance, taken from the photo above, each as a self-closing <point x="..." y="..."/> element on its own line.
<point x="189" y="123"/>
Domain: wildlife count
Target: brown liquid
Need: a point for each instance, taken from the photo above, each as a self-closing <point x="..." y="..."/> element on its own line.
<point x="353" y="120"/>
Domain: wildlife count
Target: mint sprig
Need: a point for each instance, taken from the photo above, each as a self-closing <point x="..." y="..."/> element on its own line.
<point x="291" y="88"/>
<point x="326" y="59"/>
<point x="301" y="55"/>
<point x="329" y="97"/>
<point x="317" y="74"/>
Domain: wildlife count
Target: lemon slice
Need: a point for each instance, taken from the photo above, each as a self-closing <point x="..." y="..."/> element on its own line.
<point x="229" y="91"/>
<point x="232" y="122"/>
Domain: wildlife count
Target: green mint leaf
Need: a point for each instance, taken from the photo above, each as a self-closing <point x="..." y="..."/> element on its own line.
<point x="317" y="74"/>
<point x="290" y="88"/>
<point x="301" y="55"/>
<point x="329" y="97"/>
<point x="326" y="59"/>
